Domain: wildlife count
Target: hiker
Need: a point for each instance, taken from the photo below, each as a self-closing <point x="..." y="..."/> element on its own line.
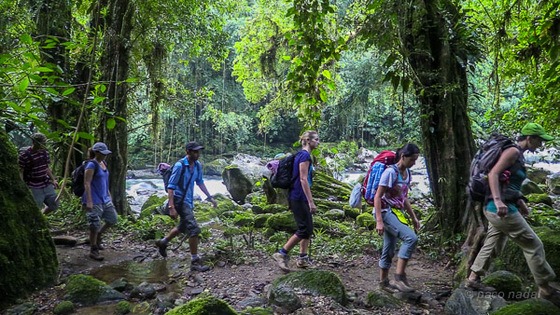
<point x="180" y="192"/>
<point x="301" y="204"/>
<point x="97" y="198"/>
<point x="506" y="216"/>
<point x="391" y="198"/>
<point x="37" y="175"/>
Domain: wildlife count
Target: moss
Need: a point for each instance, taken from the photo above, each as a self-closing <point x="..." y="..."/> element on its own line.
<point x="351" y="212"/>
<point x="316" y="282"/>
<point x="63" y="308"/>
<point x="529" y="307"/>
<point x="203" y="306"/>
<point x="123" y="307"/>
<point x="378" y="300"/>
<point x="539" y="198"/>
<point x="505" y="282"/>
<point x="245" y="219"/>
<point x="260" y="220"/>
<point x="282" y="222"/>
<point x="365" y="220"/>
<point x="27" y="253"/>
<point x="274" y="208"/>
<point x="84" y="289"/>
<point x="256" y="311"/>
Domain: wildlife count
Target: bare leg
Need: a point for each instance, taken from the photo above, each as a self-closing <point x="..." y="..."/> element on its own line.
<point x="193" y="244"/>
<point x="383" y="274"/>
<point x="292" y="242"/>
<point x="401" y="266"/>
<point x="303" y="246"/>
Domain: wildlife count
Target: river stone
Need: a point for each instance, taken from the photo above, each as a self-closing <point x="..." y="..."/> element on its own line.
<point x="465" y="302"/>
<point x="335" y="214"/>
<point x="203" y="305"/>
<point x="238" y="185"/>
<point x="215" y="167"/>
<point x="144" y="291"/>
<point x="537" y="175"/>
<point x="313" y="282"/>
<point x="87" y="290"/>
<point x="553" y="183"/>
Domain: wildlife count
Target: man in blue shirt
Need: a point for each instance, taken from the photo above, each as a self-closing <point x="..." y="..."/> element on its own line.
<point x="180" y="191"/>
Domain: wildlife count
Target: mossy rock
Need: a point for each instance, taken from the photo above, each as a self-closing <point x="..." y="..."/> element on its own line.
<point x="256" y="311"/>
<point x="529" y="307"/>
<point x="260" y="220"/>
<point x="506" y="283"/>
<point x="314" y="282"/>
<point x="544" y="215"/>
<point x="203" y="306"/>
<point x="63" y="308"/>
<point x="123" y="307"/>
<point x="245" y="219"/>
<point x="327" y="187"/>
<point x="87" y="290"/>
<point x="335" y="214"/>
<point x="539" y="198"/>
<point x="530" y="187"/>
<point x="151" y="201"/>
<point x="379" y="299"/>
<point x="351" y="212"/>
<point x="324" y="205"/>
<point x="366" y="220"/>
<point x="282" y="222"/>
<point x="275" y="208"/>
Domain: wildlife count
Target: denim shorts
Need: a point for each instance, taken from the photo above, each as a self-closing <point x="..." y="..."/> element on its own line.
<point x="187" y="221"/>
<point x="46" y="196"/>
<point x="105" y="212"/>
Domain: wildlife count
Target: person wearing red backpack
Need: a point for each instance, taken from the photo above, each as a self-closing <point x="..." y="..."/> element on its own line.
<point x="390" y="198"/>
<point x="506" y="217"/>
<point x="35" y="171"/>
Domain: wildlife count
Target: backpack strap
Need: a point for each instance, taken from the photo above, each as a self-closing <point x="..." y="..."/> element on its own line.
<point x="191" y="180"/>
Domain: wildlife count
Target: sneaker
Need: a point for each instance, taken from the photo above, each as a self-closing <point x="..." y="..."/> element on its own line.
<point x="94" y="254"/>
<point x="400" y="285"/>
<point x="388" y="286"/>
<point x="476" y="285"/>
<point x="162" y="248"/>
<point x="282" y="261"/>
<point x="302" y="262"/>
<point x="196" y="265"/>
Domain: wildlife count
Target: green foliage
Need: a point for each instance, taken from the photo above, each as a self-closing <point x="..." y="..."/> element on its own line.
<point x="64" y="308"/>
<point x="203" y="306"/>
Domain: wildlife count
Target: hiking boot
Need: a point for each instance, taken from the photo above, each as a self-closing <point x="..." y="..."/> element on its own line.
<point x="388" y="286"/>
<point x="401" y="285"/>
<point x="476" y="285"/>
<point x="162" y="248"/>
<point x="94" y="254"/>
<point x="302" y="262"/>
<point x="196" y="265"/>
<point x="282" y="261"/>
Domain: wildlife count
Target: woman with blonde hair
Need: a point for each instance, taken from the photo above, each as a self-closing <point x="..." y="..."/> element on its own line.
<point x="301" y="203"/>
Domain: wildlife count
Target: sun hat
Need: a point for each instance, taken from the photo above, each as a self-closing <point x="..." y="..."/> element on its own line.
<point x="534" y="129"/>
<point x="101" y="148"/>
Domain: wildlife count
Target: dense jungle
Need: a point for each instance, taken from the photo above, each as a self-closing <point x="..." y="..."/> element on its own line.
<point x="245" y="79"/>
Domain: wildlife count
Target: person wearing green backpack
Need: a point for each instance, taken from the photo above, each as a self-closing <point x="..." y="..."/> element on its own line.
<point x="391" y="198"/>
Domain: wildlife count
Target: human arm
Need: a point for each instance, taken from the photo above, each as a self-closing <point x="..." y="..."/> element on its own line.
<point x="412" y="215"/>
<point x="205" y="191"/>
<point x="88" y="177"/>
<point x="51" y="176"/>
<point x="171" y="203"/>
<point x="523" y="209"/>
<point x="506" y="160"/>
<point x="303" y="171"/>
<point x="377" y="204"/>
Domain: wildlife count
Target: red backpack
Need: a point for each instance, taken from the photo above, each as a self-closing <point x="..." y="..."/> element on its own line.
<point x="376" y="168"/>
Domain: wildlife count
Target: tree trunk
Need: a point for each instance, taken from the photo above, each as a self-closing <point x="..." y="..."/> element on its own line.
<point x="115" y="63"/>
<point x="27" y="253"/>
<point x="433" y="52"/>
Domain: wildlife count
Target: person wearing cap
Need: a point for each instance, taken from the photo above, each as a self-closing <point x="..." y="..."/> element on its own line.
<point x="97" y="199"/>
<point x="506" y="217"/>
<point x="180" y="192"/>
<point x="35" y="171"/>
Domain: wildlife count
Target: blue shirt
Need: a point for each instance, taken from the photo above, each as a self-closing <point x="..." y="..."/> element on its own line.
<point x="296" y="192"/>
<point x="99" y="184"/>
<point x="189" y="178"/>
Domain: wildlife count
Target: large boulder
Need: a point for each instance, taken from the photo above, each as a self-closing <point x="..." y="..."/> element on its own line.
<point x="87" y="290"/>
<point x="529" y="307"/>
<point x="537" y="175"/>
<point x="203" y="305"/>
<point x="529" y="187"/>
<point x="237" y="184"/>
<point x="215" y="167"/>
<point x="310" y="282"/>
<point x="507" y="284"/>
<point x="465" y="302"/>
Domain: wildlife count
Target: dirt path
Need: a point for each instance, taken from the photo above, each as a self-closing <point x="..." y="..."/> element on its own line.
<point x="237" y="283"/>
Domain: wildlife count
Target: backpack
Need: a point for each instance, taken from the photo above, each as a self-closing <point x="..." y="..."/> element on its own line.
<point x="478" y="188"/>
<point x="78" y="178"/>
<point x="282" y="178"/>
<point x="373" y="175"/>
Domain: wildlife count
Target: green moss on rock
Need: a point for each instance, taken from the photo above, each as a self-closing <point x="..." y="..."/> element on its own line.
<point x="87" y="290"/>
<point x="315" y="282"/>
<point x="365" y="220"/>
<point x="260" y="220"/>
<point x="123" y="307"/>
<point x="380" y="299"/>
<point x="351" y="212"/>
<point x="256" y="311"/>
<point x="539" y="198"/>
<point x="505" y="283"/>
<point x="282" y="222"/>
<point x="274" y="208"/>
<point x="245" y="219"/>
<point x="63" y="308"/>
<point x="203" y="306"/>
<point x="529" y="307"/>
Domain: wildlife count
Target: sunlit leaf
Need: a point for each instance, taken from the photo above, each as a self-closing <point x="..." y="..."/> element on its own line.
<point x="84" y="135"/>
<point x="23" y="84"/>
<point x="68" y="91"/>
<point x="26" y="39"/>
<point x="111" y="123"/>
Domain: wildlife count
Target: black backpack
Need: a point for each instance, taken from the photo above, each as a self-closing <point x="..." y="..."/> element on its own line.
<point x="478" y="188"/>
<point x="78" y="178"/>
<point x="282" y="178"/>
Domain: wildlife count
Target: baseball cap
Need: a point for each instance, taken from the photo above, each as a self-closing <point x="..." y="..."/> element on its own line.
<point x="101" y="148"/>
<point x="194" y="146"/>
<point x="534" y="129"/>
<point x="39" y="138"/>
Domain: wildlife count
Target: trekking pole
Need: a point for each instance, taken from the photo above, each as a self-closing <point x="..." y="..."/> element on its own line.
<point x="180" y="242"/>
